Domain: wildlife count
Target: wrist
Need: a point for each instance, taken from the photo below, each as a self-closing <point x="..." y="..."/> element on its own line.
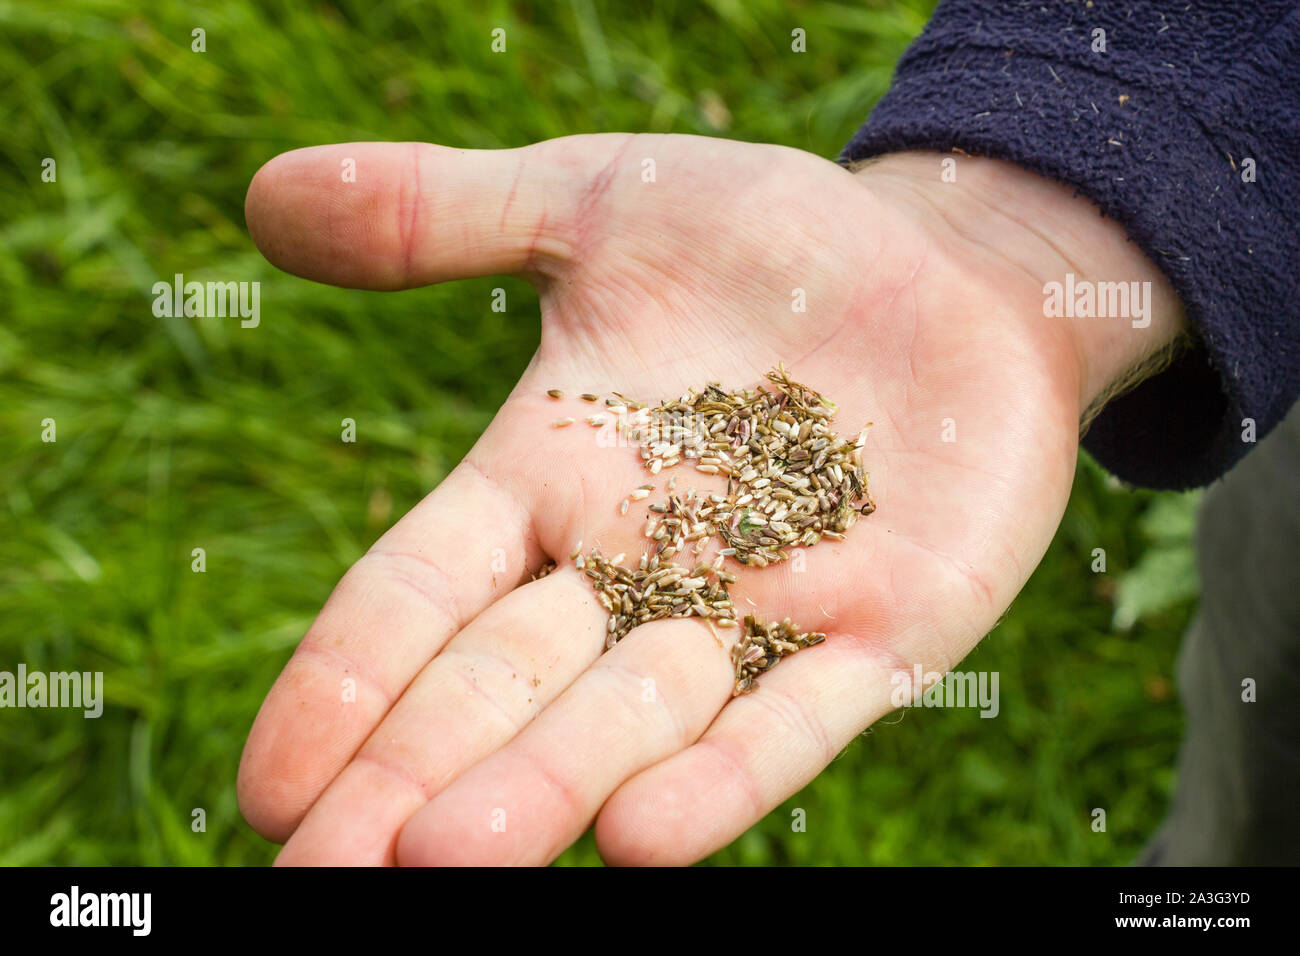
<point x="1116" y="309"/>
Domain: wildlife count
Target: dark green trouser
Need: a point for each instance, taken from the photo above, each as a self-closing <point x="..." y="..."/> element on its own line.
<point x="1238" y="791"/>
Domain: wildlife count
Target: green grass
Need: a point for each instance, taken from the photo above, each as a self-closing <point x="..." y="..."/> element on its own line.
<point x="175" y="434"/>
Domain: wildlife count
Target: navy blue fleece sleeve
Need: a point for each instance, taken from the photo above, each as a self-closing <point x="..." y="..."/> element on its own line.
<point x="1158" y="130"/>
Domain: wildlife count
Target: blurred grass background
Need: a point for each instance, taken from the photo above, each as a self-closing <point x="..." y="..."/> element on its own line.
<point x="175" y="434"/>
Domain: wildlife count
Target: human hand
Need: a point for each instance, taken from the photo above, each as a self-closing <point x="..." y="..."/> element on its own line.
<point x="479" y="693"/>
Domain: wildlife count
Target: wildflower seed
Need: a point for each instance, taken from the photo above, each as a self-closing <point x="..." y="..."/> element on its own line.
<point x="554" y="393"/>
<point x="790" y="481"/>
<point x="562" y="422"/>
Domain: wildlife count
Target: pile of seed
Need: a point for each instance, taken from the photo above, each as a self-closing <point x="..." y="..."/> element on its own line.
<point x="654" y="590"/>
<point x="763" y="645"/>
<point x="791" y="481"/>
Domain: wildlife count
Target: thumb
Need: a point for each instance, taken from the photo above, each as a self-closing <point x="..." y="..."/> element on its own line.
<point x="399" y="215"/>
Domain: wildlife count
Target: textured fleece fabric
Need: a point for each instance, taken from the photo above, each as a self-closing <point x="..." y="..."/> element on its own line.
<point x="1158" y="131"/>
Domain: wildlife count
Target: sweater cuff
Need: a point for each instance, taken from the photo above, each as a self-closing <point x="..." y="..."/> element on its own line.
<point x="1155" y="167"/>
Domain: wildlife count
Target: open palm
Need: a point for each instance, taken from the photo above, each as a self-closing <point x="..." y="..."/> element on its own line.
<point x="487" y="724"/>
